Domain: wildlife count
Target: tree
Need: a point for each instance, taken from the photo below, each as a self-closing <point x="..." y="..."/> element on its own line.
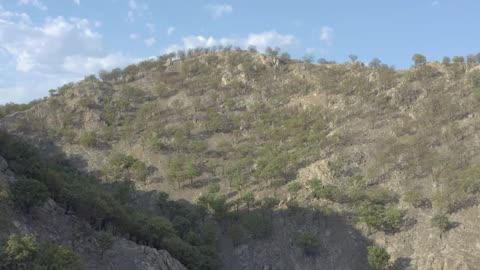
<point x="252" y="49"/>
<point x="191" y="171"/>
<point x="375" y="63"/>
<point x="20" y="248"/>
<point x="471" y="60"/>
<point x="27" y="193"/>
<point x="446" y="61"/>
<point x="249" y="199"/>
<point x="322" y="61"/>
<point x="458" y="60"/>
<point x="56" y="257"/>
<point x="175" y="169"/>
<point x="419" y="60"/>
<point x="378" y="257"/>
<point x="272" y="52"/>
<point x="353" y="58"/>
<point x="308" y="58"/>
<point x="105" y="242"/>
<point x="24" y="250"/>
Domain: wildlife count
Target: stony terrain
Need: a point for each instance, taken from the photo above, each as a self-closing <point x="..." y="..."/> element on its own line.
<point x="266" y="125"/>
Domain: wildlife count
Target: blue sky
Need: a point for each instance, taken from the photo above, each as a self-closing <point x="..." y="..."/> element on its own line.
<point x="46" y="43"/>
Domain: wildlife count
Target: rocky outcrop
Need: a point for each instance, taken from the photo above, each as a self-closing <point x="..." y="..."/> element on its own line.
<point x="50" y="223"/>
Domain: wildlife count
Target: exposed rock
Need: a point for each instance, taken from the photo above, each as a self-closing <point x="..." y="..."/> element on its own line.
<point x="3" y="164"/>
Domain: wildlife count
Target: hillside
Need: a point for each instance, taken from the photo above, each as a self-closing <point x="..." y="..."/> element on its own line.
<point x="296" y="165"/>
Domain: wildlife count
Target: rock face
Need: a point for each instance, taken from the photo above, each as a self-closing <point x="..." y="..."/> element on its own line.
<point x="340" y="245"/>
<point x="50" y="223"/>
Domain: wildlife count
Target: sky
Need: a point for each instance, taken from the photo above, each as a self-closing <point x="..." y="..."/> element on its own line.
<point x="47" y="43"/>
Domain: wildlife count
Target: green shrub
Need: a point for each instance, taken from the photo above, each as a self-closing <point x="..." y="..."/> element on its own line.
<point x="380" y="217"/>
<point x="24" y="250"/>
<point x="417" y="198"/>
<point x="163" y="90"/>
<point x="294" y="188"/>
<point x="105" y="242"/>
<point x="378" y="257"/>
<point x="27" y="193"/>
<point x="55" y="257"/>
<point x="308" y="242"/>
<point x="441" y="222"/>
<point x="258" y="225"/>
<point x="88" y="139"/>
<point x="379" y="195"/>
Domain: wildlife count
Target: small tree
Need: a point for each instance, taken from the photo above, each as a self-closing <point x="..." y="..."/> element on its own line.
<point x="378" y="257"/>
<point x="105" y="242"/>
<point x="308" y="58"/>
<point x="20" y="248"/>
<point x="191" y="171"/>
<point x="27" y="193"/>
<point x="248" y="199"/>
<point x="52" y="256"/>
<point x="446" y="61"/>
<point x="460" y="60"/>
<point x="419" y="60"/>
<point x="353" y="58"/>
<point x="375" y="63"/>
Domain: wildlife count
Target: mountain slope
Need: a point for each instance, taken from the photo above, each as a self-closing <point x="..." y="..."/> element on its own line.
<point x="386" y="149"/>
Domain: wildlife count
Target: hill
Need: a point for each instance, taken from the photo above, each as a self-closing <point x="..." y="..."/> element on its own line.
<point x="296" y="163"/>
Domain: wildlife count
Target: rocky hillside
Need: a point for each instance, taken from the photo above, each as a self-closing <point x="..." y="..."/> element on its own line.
<point x="286" y="157"/>
<point x="49" y="223"/>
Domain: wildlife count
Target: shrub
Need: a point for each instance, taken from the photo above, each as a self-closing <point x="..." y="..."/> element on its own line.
<point x="380" y="217"/>
<point x="441" y="222"/>
<point x="417" y="198"/>
<point x="163" y="90"/>
<point x="419" y="60"/>
<point x="88" y="139"/>
<point x="294" y="188"/>
<point x="55" y="257"/>
<point x="378" y="257"/>
<point x="27" y="193"/>
<point x="308" y="242"/>
<point x="258" y="225"/>
<point x="105" y="242"/>
<point x="24" y="251"/>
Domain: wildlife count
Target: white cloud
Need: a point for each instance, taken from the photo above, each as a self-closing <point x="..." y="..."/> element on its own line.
<point x="77" y="2"/>
<point x="260" y="40"/>
<point x="272" y="39"/>
<point x="149" y="42"/>
<point x="36" y="3"/>
<point x="133" y="36"/>
<point x="170" y="30"/>
<point x="327" y="34"/>
<point x="135" y="9"/>
<point x="89" y="65"/>
<point x="38" y="57"/>
<point x="190" y="42"/>
<point x="219" y="10"/>
<point x="435" y="3"/>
